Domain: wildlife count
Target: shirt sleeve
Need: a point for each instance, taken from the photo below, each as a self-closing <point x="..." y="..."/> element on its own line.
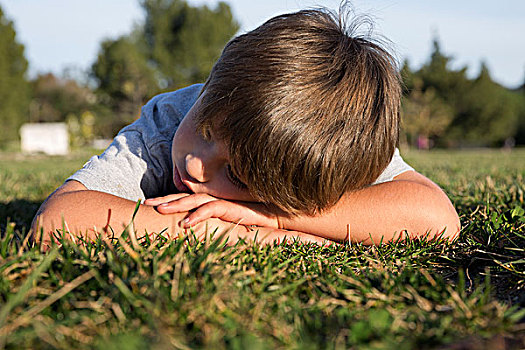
<point x="397" y="166"/>
<point x="126" y="169"/>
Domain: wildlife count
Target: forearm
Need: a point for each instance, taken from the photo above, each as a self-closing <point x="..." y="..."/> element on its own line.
<point x="384" y="212"/>
<point x="87" y="214"/>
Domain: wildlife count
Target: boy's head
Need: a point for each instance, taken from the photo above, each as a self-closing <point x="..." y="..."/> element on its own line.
<point x="307" y="110"/>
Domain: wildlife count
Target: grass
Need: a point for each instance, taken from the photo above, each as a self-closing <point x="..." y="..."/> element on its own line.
<point x="188" y="294"/>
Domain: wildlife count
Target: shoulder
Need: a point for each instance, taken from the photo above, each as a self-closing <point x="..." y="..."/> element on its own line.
<point x="178" y="102"/>
<point x="162" y="115"/>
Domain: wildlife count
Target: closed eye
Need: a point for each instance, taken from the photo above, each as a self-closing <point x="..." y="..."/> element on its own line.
<point x="205" y="132"/>
<point x="234" y="179"/>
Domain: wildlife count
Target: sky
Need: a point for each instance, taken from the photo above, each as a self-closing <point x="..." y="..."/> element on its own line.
<point x="61" y="35"/>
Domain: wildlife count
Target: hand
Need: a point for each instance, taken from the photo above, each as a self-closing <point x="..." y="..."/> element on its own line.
<point x="204" y="206"/>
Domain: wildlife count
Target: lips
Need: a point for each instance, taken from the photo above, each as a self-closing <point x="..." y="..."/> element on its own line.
<point x="178" y="181"/>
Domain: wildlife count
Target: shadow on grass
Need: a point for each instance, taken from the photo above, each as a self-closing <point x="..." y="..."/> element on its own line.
<point x="18" y="211"/>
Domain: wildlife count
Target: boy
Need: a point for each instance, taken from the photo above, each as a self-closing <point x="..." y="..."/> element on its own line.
<point x="294" y="132"/>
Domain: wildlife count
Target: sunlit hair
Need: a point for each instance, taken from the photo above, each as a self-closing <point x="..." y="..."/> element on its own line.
<point x="308" y="108"/>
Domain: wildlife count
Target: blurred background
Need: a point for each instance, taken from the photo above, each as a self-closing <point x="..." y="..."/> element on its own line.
<point x="91" y="65"/>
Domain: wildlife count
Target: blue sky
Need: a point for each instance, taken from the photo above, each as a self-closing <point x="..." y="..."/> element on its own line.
<point x="61" y="34"/>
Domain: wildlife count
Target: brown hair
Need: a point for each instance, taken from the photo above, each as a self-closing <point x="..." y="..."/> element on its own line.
<point x="308" y="110"/>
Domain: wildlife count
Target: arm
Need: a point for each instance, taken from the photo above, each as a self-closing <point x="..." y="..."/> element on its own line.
<point x="411" y="204"/>
<point x="85" y="213"/>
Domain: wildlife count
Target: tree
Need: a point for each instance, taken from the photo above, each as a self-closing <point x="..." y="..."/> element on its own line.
<point x="55" y="98"/>
<point x="177" y="45"/>
<point x="425" y="115"/>
<point x="482" y="112"/>
<point x="183" y="42"/>
<point x="520" y="134"/>
<point x="490" y="114"/>
<point x="125" y="80"/>
<point x="407" y="75"/>
<point x="14" y="89"/>
<point x="448" y="84"/>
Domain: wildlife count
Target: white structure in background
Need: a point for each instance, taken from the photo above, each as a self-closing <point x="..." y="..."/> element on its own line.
<point x="48" y="138"/>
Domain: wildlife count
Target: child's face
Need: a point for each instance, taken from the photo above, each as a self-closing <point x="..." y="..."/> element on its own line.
<point x="201" y="165"/>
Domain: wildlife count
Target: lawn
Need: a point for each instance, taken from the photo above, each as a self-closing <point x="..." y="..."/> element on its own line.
<point x="187" y="294"/>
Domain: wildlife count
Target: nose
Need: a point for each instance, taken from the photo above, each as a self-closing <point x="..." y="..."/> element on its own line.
<point x="195" y="168"/>
<point x="200" y="168"/>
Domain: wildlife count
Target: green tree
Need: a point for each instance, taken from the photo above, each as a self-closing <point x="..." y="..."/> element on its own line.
<point x="183" y="42"/>
<point x="407" y="75"/>
<point x="520" y="134"/>
<point x="125" y="81"/>
<point x="490" y="114"/>
<point x="53" y="98"/>
<point x="425" y="115"/>
<point x="175" y="46"/>
<point x="448" y="84"/>
<point x="483" y="113"/>
<point x="14" y="89"/>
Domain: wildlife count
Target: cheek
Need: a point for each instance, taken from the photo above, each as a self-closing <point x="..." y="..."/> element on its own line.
<point x="185" y="132"/>
<point x="182" y="144"/>
<point x="175" y="145"/>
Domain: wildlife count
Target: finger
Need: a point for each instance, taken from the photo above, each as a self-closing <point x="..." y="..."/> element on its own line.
<point x="165" y="199"/>
<point x="185" y="204"/>
<point x="168" y="198"/>
<point x="215" y="209"/>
